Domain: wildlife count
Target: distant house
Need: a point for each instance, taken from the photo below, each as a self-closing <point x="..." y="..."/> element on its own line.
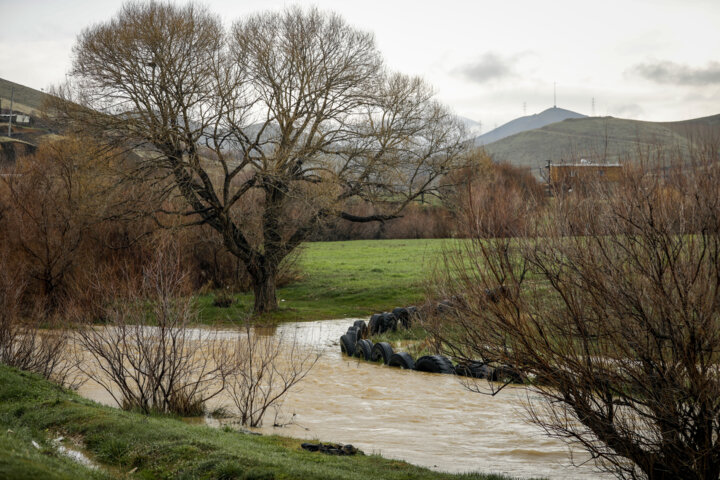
<point x="17" y="118"/>
<point x="571" y="175"/>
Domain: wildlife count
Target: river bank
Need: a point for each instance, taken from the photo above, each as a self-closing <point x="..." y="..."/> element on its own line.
<point x="425" y="419"/>
<point x="34" y="414"/>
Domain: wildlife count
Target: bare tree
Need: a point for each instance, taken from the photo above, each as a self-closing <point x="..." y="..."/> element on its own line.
<point x="146" y="356"/>
<point x="610" y="308"/>
<point x="267" y="367"/>
<point x="291" y="112"/>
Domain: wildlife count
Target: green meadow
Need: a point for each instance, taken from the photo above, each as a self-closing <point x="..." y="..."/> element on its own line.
<point x="345" y="279"/>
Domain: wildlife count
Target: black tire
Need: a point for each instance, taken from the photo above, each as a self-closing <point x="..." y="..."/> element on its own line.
<point x="380" y="324"/>
<point x="402" y="360"/>
<point x="389" y="322"/>
<point x="352" y="334"/>
<point x="362" y="328"/>
<point x="444" y="306"/>
<point x="347" y="345"/>
<point x="353" y="329"/>
<point x="403" y="316"/>
<point x="363" y="349"/>
<point x="474" y="370"/>
<point x="434" y="364"/>
<point x="381" y="351"/>
<point x="374" y="324"/>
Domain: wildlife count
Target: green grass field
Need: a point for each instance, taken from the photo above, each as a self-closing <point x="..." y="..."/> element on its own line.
<point x="345" y="279"/>
<point x="130" y="445"/>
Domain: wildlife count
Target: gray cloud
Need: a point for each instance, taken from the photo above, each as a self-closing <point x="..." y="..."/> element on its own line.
<point x="489" y="66"/>
<point x="666" y="72"/>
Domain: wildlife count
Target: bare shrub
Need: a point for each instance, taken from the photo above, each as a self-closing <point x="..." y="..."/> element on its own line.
<point x="148" y="357"/>
<point x="267" y="367"/>
<point x="416" y="221"/>
<point x="50" y="206"/>
<point x="63" y="216"/>
<point x="492" y="199"/>
<point x="618" y="327"/>
<point x="23" y="344"/>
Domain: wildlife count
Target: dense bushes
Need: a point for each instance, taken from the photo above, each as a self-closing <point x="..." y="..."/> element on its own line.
<point x="71" y="217"/>
<point x="74" y="212"/>
<point x="501" y="194"/>
<point x="417" y="221"/>
<point x="492" y="199"/>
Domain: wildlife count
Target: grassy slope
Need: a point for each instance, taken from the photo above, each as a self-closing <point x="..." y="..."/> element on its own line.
<point x="26" y="99"/>
<point x="346" y="279"/>
<point x="577" y="138"/>
<point x="156" y="447"/>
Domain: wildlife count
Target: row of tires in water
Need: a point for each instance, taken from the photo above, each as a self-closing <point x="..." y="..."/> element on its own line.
<point x="355" y="343"/>
<point x="389" y="321"/>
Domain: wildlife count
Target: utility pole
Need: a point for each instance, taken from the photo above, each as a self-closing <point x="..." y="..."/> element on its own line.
<point x="12" y="98"/>
<point x="524" y="108"/>
<point x="593" y="106"/>
<point x="554" y="94"/>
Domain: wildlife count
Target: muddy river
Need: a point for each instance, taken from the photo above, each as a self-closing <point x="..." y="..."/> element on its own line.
<point x="425" y="419"/>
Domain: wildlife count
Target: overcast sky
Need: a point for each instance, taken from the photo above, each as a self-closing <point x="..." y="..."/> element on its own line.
<point x="652" y="60"/>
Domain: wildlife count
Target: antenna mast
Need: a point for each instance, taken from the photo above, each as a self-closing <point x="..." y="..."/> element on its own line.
<point x="12" y="98"/>
<point x="554" y="94"/>
<point x="524" y="108"/>
<point x="593" y="106"/>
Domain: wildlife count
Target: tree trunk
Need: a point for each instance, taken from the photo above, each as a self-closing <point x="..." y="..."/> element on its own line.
<point x="264" y="287"/>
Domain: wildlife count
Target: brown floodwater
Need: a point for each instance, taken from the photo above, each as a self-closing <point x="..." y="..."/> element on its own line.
<point x="425" y="419"/>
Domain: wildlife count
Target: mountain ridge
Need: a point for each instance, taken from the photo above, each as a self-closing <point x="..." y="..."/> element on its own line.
<point x="528" y="122"/>
<point x="601" y="139"/>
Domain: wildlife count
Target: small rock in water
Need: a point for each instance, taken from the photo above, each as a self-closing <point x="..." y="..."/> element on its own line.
<point x="331" y="448"/>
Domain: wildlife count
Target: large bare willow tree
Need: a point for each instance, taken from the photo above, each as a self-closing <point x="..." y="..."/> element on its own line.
<point x="264" y="130"/>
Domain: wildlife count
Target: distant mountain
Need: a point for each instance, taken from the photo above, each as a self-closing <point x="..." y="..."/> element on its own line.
<point x="472" y="128"/>
<point x="600" y="139"/>
<point x="523" y="124"/>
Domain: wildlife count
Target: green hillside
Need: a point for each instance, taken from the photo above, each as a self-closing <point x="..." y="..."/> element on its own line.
<point x="600" y="139"/>
<point x="26" y="99"/>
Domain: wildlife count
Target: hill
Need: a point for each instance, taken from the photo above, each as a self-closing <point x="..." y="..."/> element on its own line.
<point x="472" y="128"/>
<point x="523" y="124"/>
<point x="26" y="99"/>
<point x="25" y="137"/>
<point x="600" y="139"/>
